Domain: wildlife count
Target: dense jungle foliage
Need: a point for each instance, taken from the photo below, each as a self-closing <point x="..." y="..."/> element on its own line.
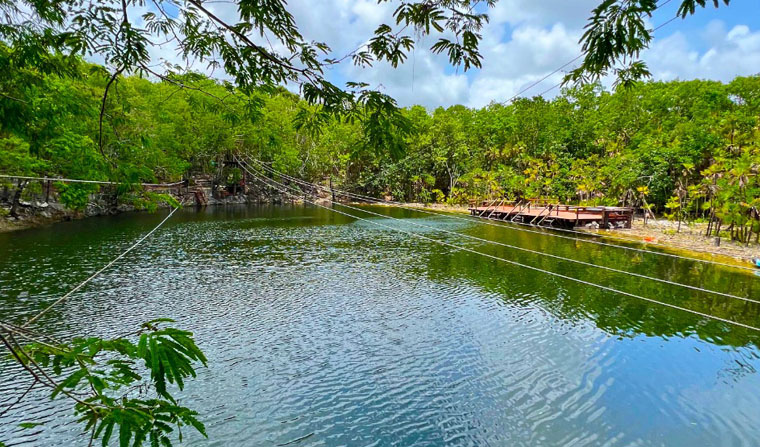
<point x="687" y="149"/>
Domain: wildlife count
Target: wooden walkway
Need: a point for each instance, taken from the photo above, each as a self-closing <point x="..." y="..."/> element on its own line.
<point x="555" y="215"/>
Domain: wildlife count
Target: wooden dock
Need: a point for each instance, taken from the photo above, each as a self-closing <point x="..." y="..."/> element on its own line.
<point x="555" y="215"/>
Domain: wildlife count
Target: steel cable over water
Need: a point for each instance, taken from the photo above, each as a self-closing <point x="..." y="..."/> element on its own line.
<point x="485" y="222"/>
<point x="95" y="182"/>
<point x="472" y="219"/>
<point x="541" y="253"/>
<point x="284" y="189"/>
<point x="36" y="338"/>
<point x="94" y="275"/>
<point x="638" y="275"/>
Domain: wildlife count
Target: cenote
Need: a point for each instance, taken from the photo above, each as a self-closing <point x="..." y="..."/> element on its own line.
<point x="325" y="330"/>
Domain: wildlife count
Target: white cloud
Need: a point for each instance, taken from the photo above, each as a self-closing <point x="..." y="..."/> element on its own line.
<point x="524" y="41"/>
<point x="423" y="79"/>
<point x="530" y="54"/>
<point x="731" y="53"/>
<point x="342" y="24"/>
<point x="543" y="13"/>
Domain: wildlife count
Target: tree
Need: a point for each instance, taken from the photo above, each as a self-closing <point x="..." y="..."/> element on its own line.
<point x="616" y="34"/>
<point x="16" y="160"/>
<point x="115" y="385"/>
<point x="244" y="46"/>
<point x="110" y="29"/>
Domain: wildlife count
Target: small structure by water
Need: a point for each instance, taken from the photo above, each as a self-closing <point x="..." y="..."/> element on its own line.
<point x="555" y="215"/>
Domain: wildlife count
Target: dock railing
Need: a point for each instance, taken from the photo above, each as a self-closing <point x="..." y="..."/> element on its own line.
<point x="543" y="211"/>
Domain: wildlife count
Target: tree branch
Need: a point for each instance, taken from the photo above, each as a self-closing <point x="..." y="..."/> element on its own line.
<point x="12" y="98"/>
<point x="103" y="110"/>
<point x="182" y="85"/>
<point x="20" y="398"/>
<point x="263" y="52"/>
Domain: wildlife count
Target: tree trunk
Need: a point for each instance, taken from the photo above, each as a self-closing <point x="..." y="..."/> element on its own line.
<point x="731" y="232"/>
<point x="17" y="198"/>
<point x="679" y="221"/>
<point x="711" y="223"/>
<point x="114" y="200"/>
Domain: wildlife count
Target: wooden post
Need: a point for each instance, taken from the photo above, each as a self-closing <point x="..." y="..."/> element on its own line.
<point x="47" y="192"/>
<point x="605" y="218"/>
<point x="494" y="209"/>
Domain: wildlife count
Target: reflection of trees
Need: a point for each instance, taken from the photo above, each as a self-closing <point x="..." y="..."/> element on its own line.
<point x="613" y="313"/>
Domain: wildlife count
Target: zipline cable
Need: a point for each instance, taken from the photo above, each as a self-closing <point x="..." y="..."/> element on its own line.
<point x="541" y="253"/>
<point x="113" y="261"/>
<point x="96" y="182"/>
<point x="473" y="219"/>
<point x="561" y="258"/>
<point x="668" y="22"/>
<point x="517" y="95"/>
<point x="484" y="222"/>
<point x="423" y="210"/>
<point x="265" y="180"/>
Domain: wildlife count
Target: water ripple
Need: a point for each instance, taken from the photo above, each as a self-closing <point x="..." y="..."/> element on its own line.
<point x="325" y="331"/>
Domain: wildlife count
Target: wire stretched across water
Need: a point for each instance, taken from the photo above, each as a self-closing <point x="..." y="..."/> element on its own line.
<point x="485" y="222"/>
<point x="284" y="189"/>
<point x="471" y="218"/>
<point x="94" y="182"/>
<point x="94" y="275"/>
<point x="666" y="23"/>
<point x="561" y="258"/>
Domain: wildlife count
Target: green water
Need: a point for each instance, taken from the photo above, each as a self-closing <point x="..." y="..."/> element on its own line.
<point x="334" y="331"/>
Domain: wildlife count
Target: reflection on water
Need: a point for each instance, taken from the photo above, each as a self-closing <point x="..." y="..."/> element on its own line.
<point x="329" y="331"/>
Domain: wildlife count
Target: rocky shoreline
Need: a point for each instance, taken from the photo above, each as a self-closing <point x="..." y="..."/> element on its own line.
<point x="39" y="213"/>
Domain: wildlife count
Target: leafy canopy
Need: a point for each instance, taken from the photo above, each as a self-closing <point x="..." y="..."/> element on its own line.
<point x="119" y="385"/>
<point x="262" y="46"/>
<point x="617" y="32"/>
<point x="244" y="47"/>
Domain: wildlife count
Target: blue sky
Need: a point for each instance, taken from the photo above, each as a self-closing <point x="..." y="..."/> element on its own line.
<point x="525" y="40"/>
<point x="739" y="12"/>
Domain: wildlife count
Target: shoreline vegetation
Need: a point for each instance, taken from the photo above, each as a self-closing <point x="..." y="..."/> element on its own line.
<point x="79" y="139"/>
<point x="685" y="151"/>
<point x="659" y="233"/>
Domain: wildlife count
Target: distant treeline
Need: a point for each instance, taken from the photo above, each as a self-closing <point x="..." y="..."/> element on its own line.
<point x="688" y="149"/>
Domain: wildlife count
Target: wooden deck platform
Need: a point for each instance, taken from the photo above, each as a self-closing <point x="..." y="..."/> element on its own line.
<point x="555" y="215"/>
